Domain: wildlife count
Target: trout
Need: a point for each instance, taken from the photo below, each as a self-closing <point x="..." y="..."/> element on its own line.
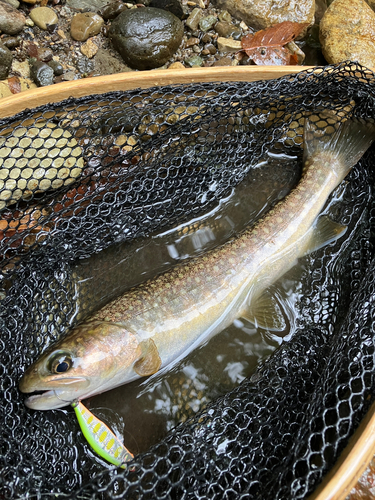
<point x="159" y="322"/>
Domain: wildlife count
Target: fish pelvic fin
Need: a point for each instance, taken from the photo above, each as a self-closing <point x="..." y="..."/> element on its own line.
<point x="344" y="143"/>
<point x="323" y="232"/>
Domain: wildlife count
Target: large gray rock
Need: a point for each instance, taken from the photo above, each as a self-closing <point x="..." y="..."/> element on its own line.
<point x="11" y="20"/>
<point x="347" y="31"/>
<point x="147" y="37"/>
<point x="260" y="14"/>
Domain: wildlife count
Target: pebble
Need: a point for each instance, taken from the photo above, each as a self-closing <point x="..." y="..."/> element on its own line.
<point x="44" y="17"/>
<point x="45" y="54"/>
<point x="227" y="30"/>
<point x="228" y="45"/>
<point x="85" y="25"/>
<point x="260" y="14"/>
<point x="89" y="48"/>
<point x="176" y="65"/>
<point x="87" y="5"/>
<point x="146" y="38"/>
<point x="347" y="31"/>
<point x="192" y="41"/>
<point x="112" y="10"/>
<point x="11" y="42"/>
<point x="57" y="67"/>
<point x="11" y="20"/>
<point x="224" y="16"/>
<point x="173" y="6"/>
<point x="223" y="61"/>
<point x="206" y="23"/>
<point x="33" y="2"/>
<point x="198" y="3"/>
<point x="211" y="48"/>
<point x="41" y="73"/>
<point x="6" y="58"/>
<point x="194" y="61"/>
<point x="192" y="21"/>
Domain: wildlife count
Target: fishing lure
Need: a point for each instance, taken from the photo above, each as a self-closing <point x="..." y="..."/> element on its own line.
<point x="100" y="437"/>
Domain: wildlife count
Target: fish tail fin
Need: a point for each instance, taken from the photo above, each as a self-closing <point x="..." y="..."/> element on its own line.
<point x="345" y="145"/>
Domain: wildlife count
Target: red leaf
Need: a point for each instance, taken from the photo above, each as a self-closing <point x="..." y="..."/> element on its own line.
<point x="267" y="46"/>
<point x="14" y="84"/>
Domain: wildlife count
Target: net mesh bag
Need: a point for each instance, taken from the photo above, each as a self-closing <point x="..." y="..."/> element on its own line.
<point x="80" y="176"/>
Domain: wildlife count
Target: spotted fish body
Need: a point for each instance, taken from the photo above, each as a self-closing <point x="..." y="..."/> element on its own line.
<point x="100" y="437"/>
<point x="157" y="323"/>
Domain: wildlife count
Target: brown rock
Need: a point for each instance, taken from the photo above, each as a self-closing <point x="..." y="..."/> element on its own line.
<point x="260" y="14"/>
<point x="85" y="25"/>
<point x="347" y="31"/>
<point x="176" y="65"/>
<point x="11" y="20"/>
<point x="89" y="48"/>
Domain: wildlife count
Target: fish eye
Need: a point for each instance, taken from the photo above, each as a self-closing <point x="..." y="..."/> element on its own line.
<point x="60" y="363"/>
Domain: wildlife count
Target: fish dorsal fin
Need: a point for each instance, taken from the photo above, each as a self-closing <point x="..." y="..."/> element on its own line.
<point x="323" y="232"/>
<point x="149" y="362"/>
<point x="266" y="312"/>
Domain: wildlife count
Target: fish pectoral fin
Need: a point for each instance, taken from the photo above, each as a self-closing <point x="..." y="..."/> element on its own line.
<point x="266" y="312"/>
<point x="150" y="361"/>
<point x="323" y="232"/>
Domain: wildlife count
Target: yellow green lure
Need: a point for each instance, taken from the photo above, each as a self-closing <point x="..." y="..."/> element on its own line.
<point x="100" y="437"/>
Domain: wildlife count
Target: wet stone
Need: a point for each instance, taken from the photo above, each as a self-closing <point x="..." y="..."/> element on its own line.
<point x="6" y="58"/>
<point x="146" y="38"/>
<point x="192" y="21"/>
<point x="41" y="73"/>
<point x="228" y="45"/>
<point x="225" y="16"/>
<point x="45" y="54"/>
<point x="210" y="48"/>
<point x="44" y="17"/>
<point x="112" y="10"/>
<point x="206" y="23"/>
<point x="194" y="61"/>
<point x="173" y="6"/>
<point x="11" y="42"/>
<point x="57" y="67"/>
<point x="89" y="48"/>
<point x="192" y="41"/>
<point x="11" y="20"/>
<point x="85" y="25"/>
<point x="228" y="30"/>
<point x="87" y="5"/>
<point x="223" y="61"/>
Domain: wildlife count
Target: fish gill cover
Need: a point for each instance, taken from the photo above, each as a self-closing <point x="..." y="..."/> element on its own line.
<point x="87" y="173"/>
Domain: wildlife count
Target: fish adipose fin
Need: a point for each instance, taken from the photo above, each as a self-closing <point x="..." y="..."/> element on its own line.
<point x="346" y="145"/>
<point x="323" y="232"/>
<point x="266" y="312"/>
<point x="150" y="362"/>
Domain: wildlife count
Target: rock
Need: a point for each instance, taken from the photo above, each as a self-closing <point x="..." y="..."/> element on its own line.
<point x="41" y="73"/>
<point x="44" y="17"/>
<point x="228" y="45"/>
<point x="44" y="54"/>
<point x="57" y="67"/>
<point x="211" y="48"/>
<point x="146" y="38"/>
<point x="112" y="10"/>
<point x="200" y="3"/>
<point x="85" y="25"/>
<point x="26" y="84"/>
<point x="225" y="16"/>
<point x="347" y="31"/>
<point x="21" y="68"/>
<point x="260" y="14"/>
<point x="227" y="30"/>
<point x="224" y="61"/>
<point x="206" y="23"/>
<point x="106" y="64"/>
<point x="173" y="6"/>
<point x="11" y="20"/>
<point x="194" y="61"/>
<point x="176" y="65"/>
<point x="6" y="58"/>
<point x="192" y="41"/>
<point x="69" y="76"/>
<point x="87" y="5"/>
<point x="13" y="3"/>
<point x="192" y="21"/>
<point x="31" y="1"/>
<point x="11" y="42"/>
<point x="89" y="48"/>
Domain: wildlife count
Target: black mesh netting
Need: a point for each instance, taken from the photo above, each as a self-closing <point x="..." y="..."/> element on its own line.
<point x="84" y="174"/>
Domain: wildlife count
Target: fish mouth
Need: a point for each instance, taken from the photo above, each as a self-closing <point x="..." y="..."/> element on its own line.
<point x="48" y="400"/>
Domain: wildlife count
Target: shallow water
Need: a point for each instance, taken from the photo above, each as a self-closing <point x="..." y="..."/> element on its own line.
<point x="143" y="412"/>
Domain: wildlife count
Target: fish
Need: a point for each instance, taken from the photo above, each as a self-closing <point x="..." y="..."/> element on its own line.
<point x="152" y="326"/>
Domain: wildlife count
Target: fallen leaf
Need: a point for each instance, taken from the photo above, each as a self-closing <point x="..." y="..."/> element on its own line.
<point x="14" y="84"/>
<point x="267" y="46"/>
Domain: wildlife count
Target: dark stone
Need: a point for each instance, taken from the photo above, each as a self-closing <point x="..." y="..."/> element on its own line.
<point x="57" y="67"/>
<point x="228" y="30"/>
<point x="41" y="73"/>
<point x="45" y="54"/>
<point x="112" y="10"/>
<point x="173" y="6"/>
<point x="146" y="38"/>
<point x="12" y="42"/>
<point x="6" y="58"/>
